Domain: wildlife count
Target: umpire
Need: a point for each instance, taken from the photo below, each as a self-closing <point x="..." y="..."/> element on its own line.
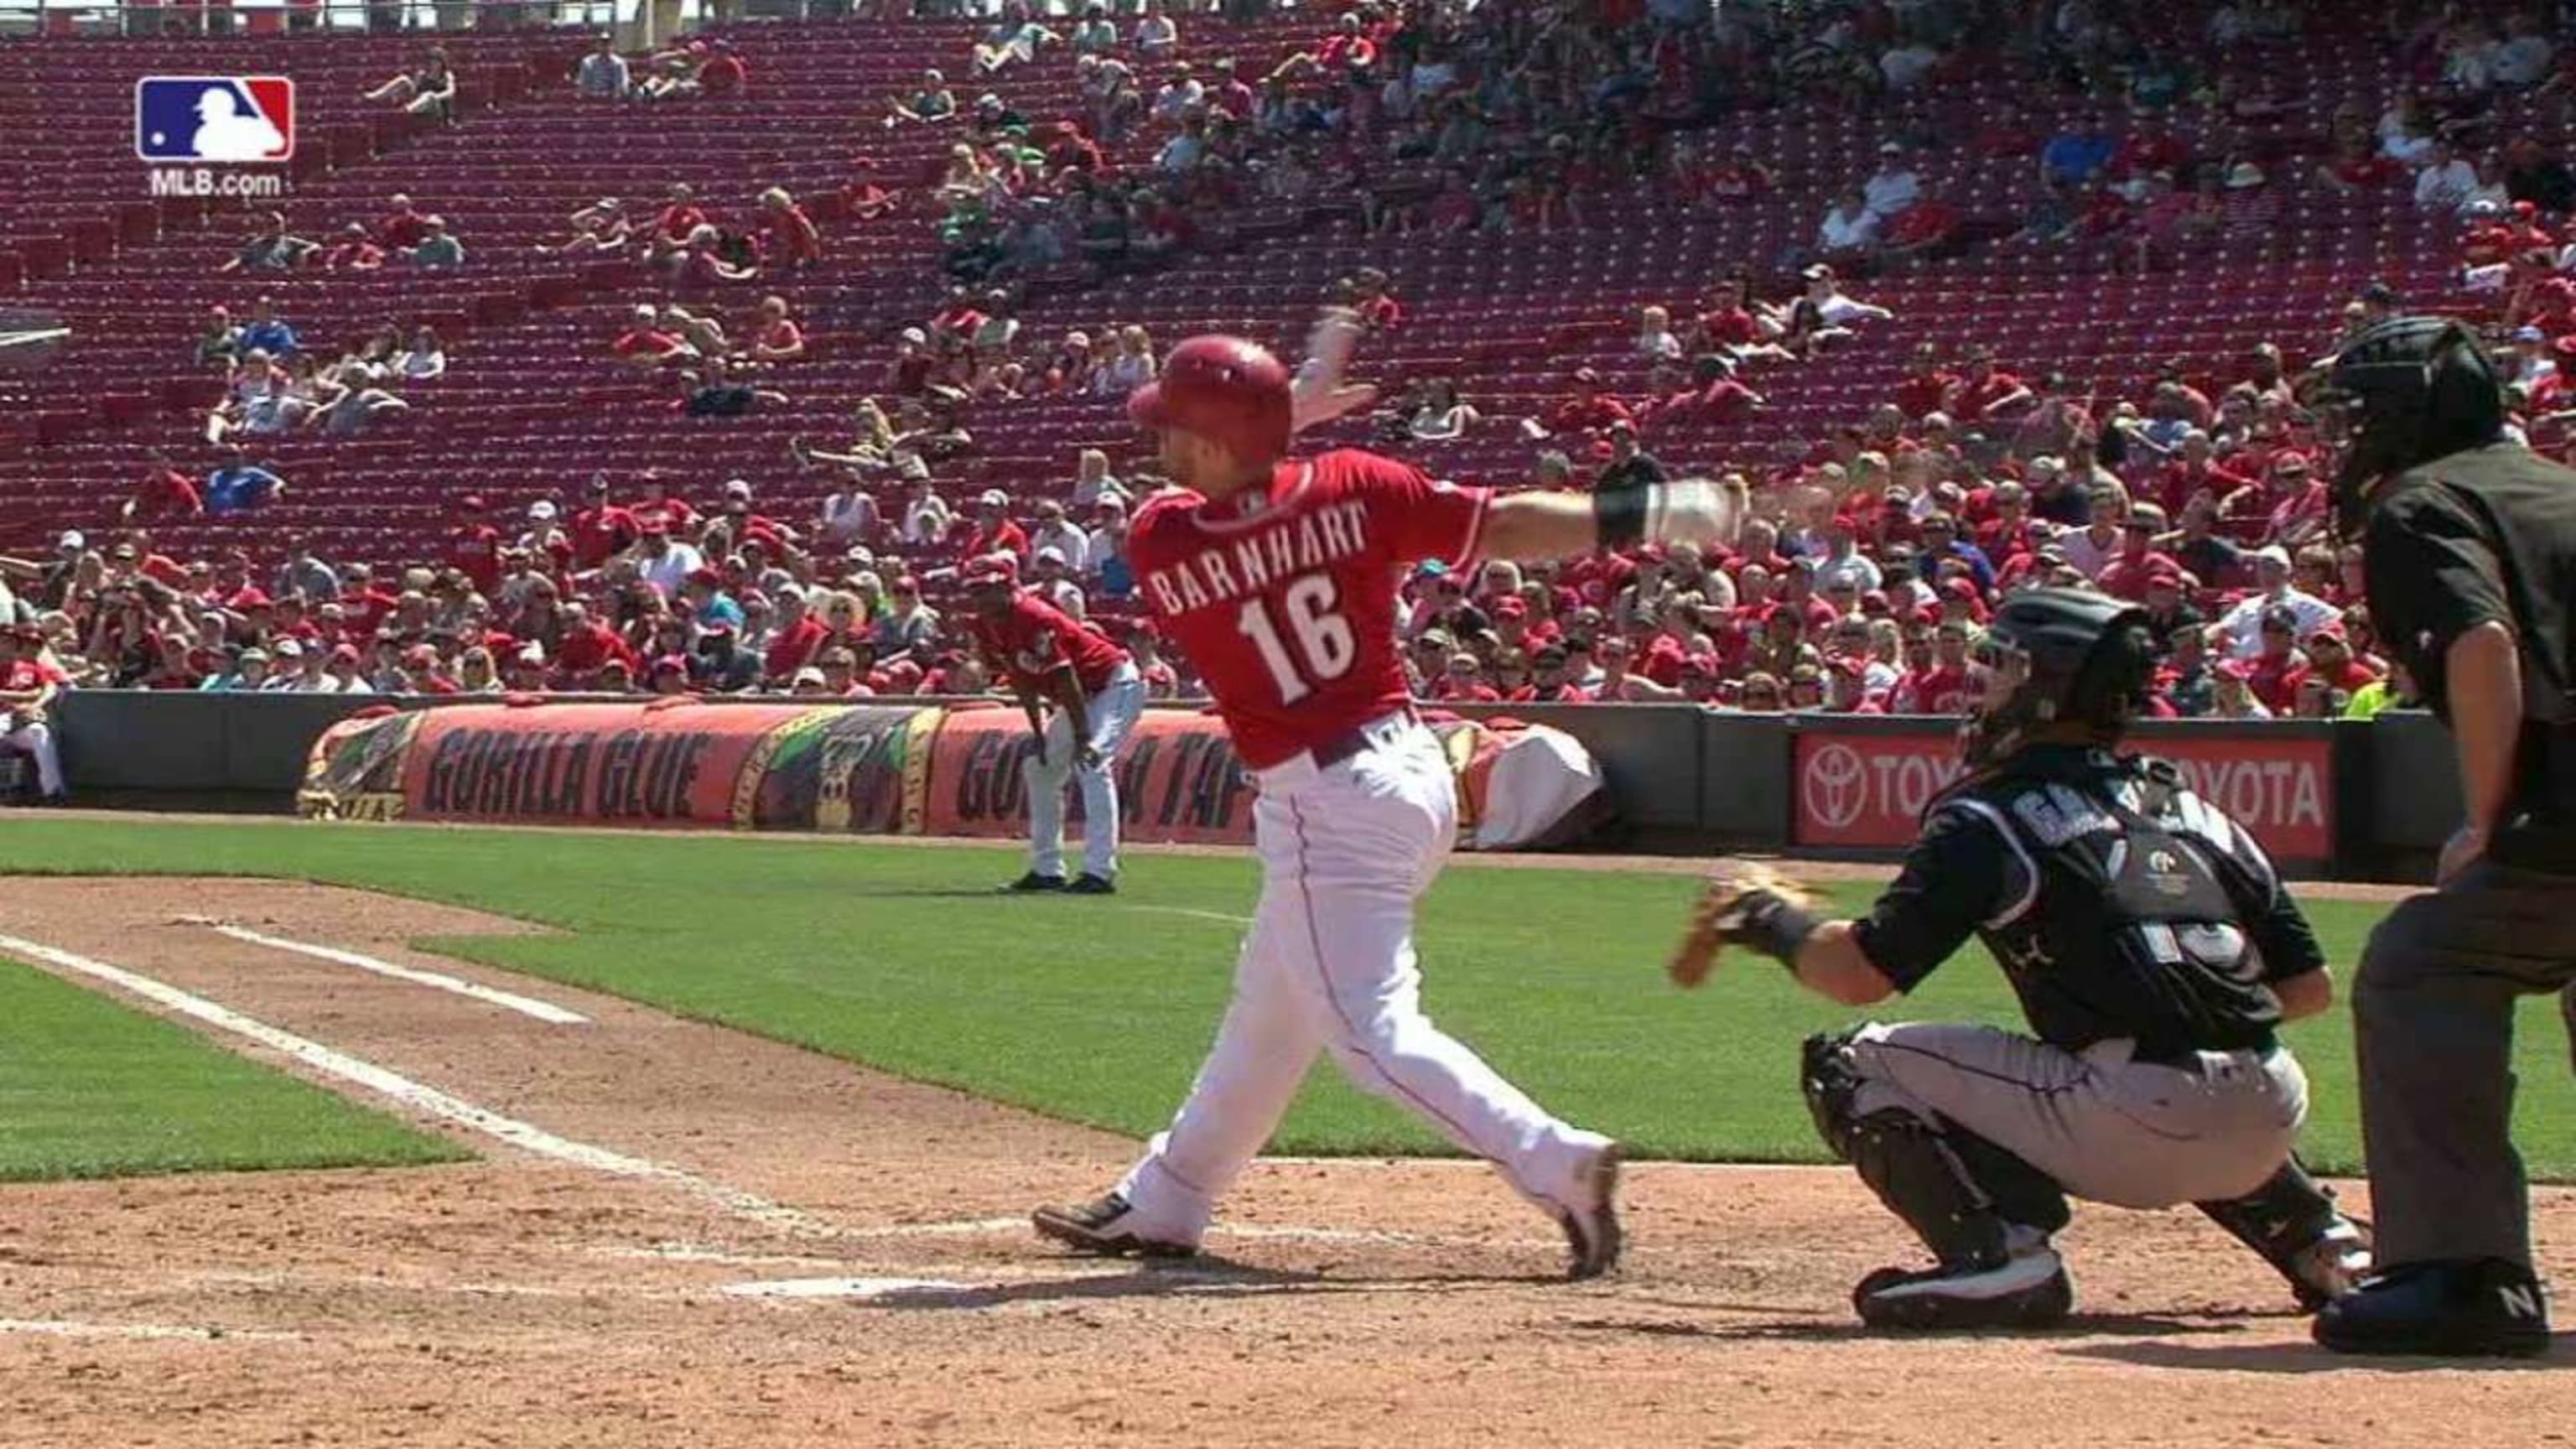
<point x="2470" y="562"/>
<point x="2154" y="952"/>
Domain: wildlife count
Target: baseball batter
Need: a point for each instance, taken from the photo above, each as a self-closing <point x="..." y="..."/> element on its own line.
<point x="29" y="683"/>
<point x="1045" y="657"/>
<point x="2154" y="952"/>
<point x="1278" y="576"/>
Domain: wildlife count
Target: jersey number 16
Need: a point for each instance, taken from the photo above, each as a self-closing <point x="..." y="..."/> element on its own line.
<point x="1325" y="647"/>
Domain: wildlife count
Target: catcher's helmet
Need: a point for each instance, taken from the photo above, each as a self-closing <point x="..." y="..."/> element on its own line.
<point x="2072" y="657"/>
<point x="2410" y="389"/>
<point x="1225" y="389"/>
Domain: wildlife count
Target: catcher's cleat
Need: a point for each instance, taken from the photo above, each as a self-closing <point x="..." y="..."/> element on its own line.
<point x="1092" y="885"/>
<point x="1100" y="1226"/>
<point x="1033" y="882"/>
<point x="1592" y="1229"/>
<point x="2028" y="1290"/>
<point x="2331" y="1266"/>
<point x="2481" y="1307"/>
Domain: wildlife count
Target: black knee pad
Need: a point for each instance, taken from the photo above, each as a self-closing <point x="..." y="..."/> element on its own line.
<point x="2019" y="1191"/>
<point x="1909" y="1163"/>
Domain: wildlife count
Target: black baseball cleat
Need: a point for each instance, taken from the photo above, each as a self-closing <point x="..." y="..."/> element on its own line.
<point x="1088" y="884"/>
<point x="2473" y="1307"/>
<point x="1099" y="1227"/>
<point x="2029" y="1290"/>
<point x="1592" y="1232"/>
<point x="1032" y="883"/>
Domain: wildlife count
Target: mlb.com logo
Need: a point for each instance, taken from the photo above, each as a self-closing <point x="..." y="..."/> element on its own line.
<point x="214" y="119"/>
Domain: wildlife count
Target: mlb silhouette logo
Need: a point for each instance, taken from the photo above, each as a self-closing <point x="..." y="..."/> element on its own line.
<point x="246" y="118"/>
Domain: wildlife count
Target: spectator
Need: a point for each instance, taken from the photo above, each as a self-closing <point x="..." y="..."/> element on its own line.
<point x="265" y="333"/>
<point x="722" y="74"/>
<point x="908" y="630"/>
<point x="30" y="682"/>
<point x="1850" y="227"/>
<point x="2241" y="626"/>
<point x="2075" y="155"/>
<point x="422" y="358"/>
<point x="270" y="248"/>
<point x="1630" y="467"/>
<point x="427" y="90"/>
<point x="1092" y="480"/>
<point x="163" y="492"/>
<point x="665" y="562"/>
<point x="775" y="337"/>
<point x="602" y="75"/>
<point x="931" y="103"/>
<point x="2446" y="182"/>
<point x="1894" y="186"/>
<point x="793" y="240"/>
<point x="1072" y="546"/>
<point x="993" y="530"/>
<point x="713" y="394"/>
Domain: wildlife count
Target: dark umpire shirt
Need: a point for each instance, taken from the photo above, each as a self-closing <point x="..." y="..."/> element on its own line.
<point x="2489" y="535"/>
<point x="2120" y="904"/>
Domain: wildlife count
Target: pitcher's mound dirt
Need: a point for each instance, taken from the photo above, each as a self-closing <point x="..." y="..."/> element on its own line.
<point x="525" y="1302"/>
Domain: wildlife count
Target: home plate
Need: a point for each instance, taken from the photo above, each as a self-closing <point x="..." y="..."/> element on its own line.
<point x="844" y="1287"/>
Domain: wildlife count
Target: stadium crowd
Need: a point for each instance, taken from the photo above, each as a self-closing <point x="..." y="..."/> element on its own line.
<point x="1875" y="550"/>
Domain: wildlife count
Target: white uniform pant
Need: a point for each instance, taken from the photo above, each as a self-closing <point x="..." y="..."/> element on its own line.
<point x="1112" y="717"/>
<point x="1329" y="966"/>
<point x="36" y="740"/>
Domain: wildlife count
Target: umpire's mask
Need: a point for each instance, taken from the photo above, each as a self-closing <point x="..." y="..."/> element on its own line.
<point x="2404" y="392"/>
<point x="2064" y="665"/>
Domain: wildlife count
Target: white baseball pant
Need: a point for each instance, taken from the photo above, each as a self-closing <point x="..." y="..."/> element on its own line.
<point x="1329" y="966"/>
<point x="1112" y="712"/>
<point x="38" y="740"/>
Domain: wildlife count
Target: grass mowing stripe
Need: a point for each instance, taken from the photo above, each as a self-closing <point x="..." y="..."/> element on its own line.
<point x="92" y="1088"/>
<point x="901" y="958"/>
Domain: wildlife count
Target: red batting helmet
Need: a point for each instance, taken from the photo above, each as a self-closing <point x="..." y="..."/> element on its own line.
<point x="1225" y="389"/>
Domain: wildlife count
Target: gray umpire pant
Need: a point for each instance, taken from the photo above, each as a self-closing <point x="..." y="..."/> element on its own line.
<point x="2433" y="1012"/>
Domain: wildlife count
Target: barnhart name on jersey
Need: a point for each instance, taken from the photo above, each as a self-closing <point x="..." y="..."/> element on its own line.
<point x="1298" y="543"/>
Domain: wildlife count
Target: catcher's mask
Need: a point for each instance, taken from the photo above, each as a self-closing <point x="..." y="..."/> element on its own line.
<point x="2063" y="663"/>
<point x="2404" y="392"/>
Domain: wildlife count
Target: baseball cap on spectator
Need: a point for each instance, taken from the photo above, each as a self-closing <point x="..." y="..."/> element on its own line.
<point x="1050" y="554"/>
<point x="344" y="652"/>
<point x="542" y="511"/>
<point x="705" y="578"/>
<point x="2147" y="516"/>
<point x="470" y="503"/>
<point x="993" y="498"/>
<point x="2280" y="618"/>
<point x="737" y="488"/>
<point x="420" y="656"/>
<point x="807" y="675"/>
<point x="1586" y="375"/>
<point x="2273" y="554"/>
<point x="288" y="649"/>
<point x="991" y="568"/>
<point x="915" y="335"/>
<point x="2331" y="630"/>
<point x="74" y="539"/>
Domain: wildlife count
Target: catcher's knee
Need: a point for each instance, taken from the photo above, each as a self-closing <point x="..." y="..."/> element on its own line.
<point x="1831" y="1079"/>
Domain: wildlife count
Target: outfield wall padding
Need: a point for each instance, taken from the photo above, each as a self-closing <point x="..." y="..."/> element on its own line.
<point x="891" y="768"/>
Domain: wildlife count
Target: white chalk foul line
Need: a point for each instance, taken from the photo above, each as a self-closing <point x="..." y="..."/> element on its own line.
<point x="66" y="1328"/>
<point x="428" y="1101"/>
<point x="545" y="1011"/>
<point x="1185" y="912"/>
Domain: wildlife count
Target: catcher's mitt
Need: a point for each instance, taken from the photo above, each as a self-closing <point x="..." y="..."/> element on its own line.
<point x="1735" y="888"/>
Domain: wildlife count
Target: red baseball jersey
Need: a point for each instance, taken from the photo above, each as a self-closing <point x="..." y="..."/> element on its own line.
<point x="1036" y="638"/>
<point x="1286" y="598"/>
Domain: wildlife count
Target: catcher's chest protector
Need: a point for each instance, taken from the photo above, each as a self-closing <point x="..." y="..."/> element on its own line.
<point x="2122" y="917"/>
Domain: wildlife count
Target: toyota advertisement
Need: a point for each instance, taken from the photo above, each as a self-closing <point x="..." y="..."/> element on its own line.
<point x="1866" y="791"/>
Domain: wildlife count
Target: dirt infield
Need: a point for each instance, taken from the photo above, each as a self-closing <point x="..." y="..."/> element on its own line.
<point x="800" y="1252"/>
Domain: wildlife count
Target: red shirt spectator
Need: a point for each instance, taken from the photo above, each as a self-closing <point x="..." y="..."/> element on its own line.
<point x="794" y="645"/>
<point x="994" y="532"/>
<point x="474" y="547"/>
<point x="403" y="229"/>
<point x="1589" y="410"/>
<point x="586" y="647"/>
<point x="602" y="529"/>
<point x="165" y="492"/>
<point x="793" y="239"/>
<point x="722" y="74"/>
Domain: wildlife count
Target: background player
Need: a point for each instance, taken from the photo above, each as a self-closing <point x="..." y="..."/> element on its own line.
<point x="1278" y="578"/>
<point x="2154" y="952"/>
<point x="1047" y="658"/>
<point x="2469" y="558"/>
<point x="29" y="685"/>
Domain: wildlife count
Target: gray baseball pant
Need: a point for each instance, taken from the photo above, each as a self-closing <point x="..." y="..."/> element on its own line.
<point x="2104" y="1127"/>
<point x="2433" y="1013"/>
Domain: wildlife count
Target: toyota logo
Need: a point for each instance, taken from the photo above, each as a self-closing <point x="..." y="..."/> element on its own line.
<point x="1836" y="786"/>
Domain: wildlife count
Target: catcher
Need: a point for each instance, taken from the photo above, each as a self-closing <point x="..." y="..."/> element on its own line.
<point x="2154" y="953"/>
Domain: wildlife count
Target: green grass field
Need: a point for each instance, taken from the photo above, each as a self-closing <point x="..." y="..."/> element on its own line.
<point x="89" y="1088"/>
<point x="1098" y="1011"/>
